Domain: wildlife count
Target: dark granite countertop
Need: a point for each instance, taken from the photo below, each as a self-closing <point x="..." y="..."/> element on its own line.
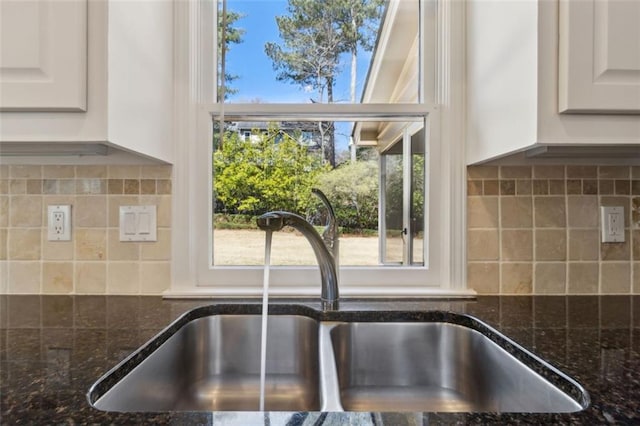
<point x="53" y="348"/>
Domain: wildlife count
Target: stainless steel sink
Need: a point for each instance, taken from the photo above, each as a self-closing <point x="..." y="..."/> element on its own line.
<point x="438" y="367"/>
<point x="213" y="364"/>
<point x="208" y="360"/>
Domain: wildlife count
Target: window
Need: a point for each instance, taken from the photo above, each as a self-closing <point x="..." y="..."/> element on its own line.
<point x="391" y="129"/>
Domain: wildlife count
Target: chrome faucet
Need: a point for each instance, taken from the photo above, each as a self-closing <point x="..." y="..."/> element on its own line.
<point x="325" y="247"/>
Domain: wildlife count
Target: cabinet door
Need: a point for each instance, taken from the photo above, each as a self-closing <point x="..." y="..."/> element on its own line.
<point x="43" y="55"/>
<point x="599" y="56"/>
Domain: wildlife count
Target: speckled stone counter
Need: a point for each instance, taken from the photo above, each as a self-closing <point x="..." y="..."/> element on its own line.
<point x="53" y="348"/>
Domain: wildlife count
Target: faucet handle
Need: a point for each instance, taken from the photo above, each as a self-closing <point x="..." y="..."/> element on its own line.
<point x="330" y="233"/>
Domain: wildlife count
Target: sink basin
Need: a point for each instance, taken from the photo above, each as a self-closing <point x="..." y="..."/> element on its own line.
<point x="440" y="367"/>
<point x="209" y="360"/>
<point x="213" y="364"/>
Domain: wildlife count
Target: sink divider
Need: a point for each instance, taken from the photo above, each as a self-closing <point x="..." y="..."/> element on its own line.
<point x="329" y="386"/>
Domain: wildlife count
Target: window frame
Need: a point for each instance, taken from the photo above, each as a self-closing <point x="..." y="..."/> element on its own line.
<point x="444" y="269"/>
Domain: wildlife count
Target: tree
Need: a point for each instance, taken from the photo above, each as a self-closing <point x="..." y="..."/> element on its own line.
<point x="315" y="34"/>
<point x="231" y="34"/>
<point x="353" y="191"/>
<point x="274" y="173"/>
<point x="359" y="27"/>
<point x="310" y="55"/>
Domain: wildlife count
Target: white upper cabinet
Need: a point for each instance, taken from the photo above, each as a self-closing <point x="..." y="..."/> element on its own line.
<point x="552" y="78"/>
<point x="43" y="55"/>
<point x="600" y="56"/>
<point x="97" y="72"/>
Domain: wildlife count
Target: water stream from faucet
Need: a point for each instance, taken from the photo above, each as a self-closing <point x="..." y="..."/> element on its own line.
<point x="265" y="311"/>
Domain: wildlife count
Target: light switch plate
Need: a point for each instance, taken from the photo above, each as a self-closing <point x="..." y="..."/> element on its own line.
<point x="138" y="223"/>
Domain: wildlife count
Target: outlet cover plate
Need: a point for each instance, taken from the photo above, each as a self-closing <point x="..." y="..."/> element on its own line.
<point x="59" y="222"/>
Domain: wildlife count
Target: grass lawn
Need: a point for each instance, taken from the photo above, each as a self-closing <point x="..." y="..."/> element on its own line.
<point x="246" y="247"/>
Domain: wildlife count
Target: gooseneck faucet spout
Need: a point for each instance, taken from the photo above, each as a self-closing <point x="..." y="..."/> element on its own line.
<point x="276" y="220"/>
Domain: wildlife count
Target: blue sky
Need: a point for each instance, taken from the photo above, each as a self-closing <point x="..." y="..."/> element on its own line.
<point x="257" y="78"/>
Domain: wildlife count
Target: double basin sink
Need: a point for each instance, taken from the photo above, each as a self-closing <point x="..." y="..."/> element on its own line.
<point x="209" y="360"/>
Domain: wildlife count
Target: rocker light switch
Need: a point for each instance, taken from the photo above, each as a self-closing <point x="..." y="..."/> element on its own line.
<point x="138" y="223"/>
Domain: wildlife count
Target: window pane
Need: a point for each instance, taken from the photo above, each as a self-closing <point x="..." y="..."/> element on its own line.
<point x="330" y="51"/>
<point x="266" y="166"/>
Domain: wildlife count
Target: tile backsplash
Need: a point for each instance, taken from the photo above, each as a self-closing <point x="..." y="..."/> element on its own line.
<point x="94" y="261"/>
<point x="536" y="230"/>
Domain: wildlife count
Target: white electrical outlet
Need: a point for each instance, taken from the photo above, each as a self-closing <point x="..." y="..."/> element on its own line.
<point x="59" y="223"/>
<point x="612" y="224"/>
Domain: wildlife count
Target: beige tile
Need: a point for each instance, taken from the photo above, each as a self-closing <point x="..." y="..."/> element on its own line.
<point x="163" y="205"/>
<point x="4" y="186"/>
<point x="115" y="186"/>
<point x="91" y="244"/>
<point x="523" y="187"/>
<point x="17" y="186"/>
<point x="34" y="186"/>
<point x="155" y="172"/>
<point x="582" y="171"/>
<point x="57" y="172"/>
<point x="551" y="244"/>
<point x="614" y="172"/>
<point x="615" y="278"/>
<point x="515" y="212"/>
<point x="549" y="212"/>
<point x="163" y="186"/>
<point x="91" y="186"/>
<point x="3" y="244"/>
<point x="517" y="278"/>
<point x="98" y="172"/>
<point x="582" y="211"/>
<point x="474" y="187"/>
<point x="155" y="277"/>
<point x="113" y="204"/>
<point x="24" y="277"/>
<point x="550" y="278"/>
<point x="548" y="172"/>
<point x="131" y="186"/>
<point x="482" y="172"/>
<point x="123" y="278"/>
<point x="26" y="211"/>
<point x="584" y="244"/>
<point x="616" y="251"/>
<point x="515" y="172"/>
<point x="57" y="277"/>
<point x="25" y="172"/>
<point x="148" y="186"/>
<point x="57" y="250"/>
<point x="24" y="244"/>
<point x="122" y="250"/>
<point x="636" y="245"/>
<point x="583" y="278"/>
<point x="161" y="249"/>
<point x="91" y="211"/>
<point x="484" y="277"/>
<point x="491" y="187"/>
<point x="635" y="172"/>
<point x="517" y="245"/>
<point x="636" y="278"/>
<point x="4" y="211"/>
<point x="124" y="172"/>
<point x="66" y="186"/>
<point x="91" y="277"/>
<point x="4" y="277"/>
<point x="481" y="244"/>
<point x="482" y="212"/>
<point x="4" y="171"/>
